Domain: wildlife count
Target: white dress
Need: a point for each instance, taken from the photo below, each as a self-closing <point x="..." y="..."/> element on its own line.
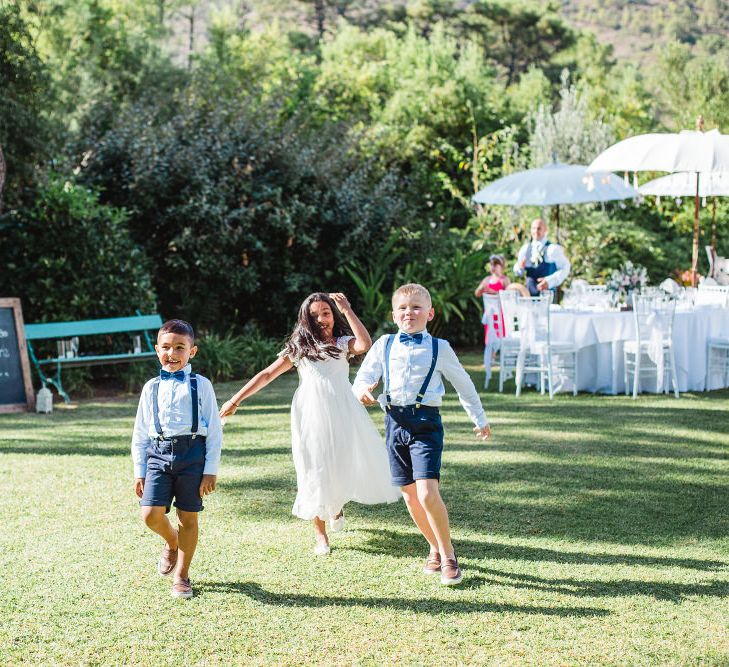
<point x="338" y="454"/>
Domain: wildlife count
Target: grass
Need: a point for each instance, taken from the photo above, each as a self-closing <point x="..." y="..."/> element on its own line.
<point x="592" y="530"/>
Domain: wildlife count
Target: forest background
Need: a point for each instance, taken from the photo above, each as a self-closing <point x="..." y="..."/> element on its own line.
<point x="218" y="161"/>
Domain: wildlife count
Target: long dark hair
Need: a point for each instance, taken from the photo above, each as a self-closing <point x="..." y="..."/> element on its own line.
<point x="305" y="341"/>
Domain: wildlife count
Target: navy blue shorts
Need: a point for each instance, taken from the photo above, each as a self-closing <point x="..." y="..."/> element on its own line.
<point x="174" y="470"/>
<point x="414" y="438"/>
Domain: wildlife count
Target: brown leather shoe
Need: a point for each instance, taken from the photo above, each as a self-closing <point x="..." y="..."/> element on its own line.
<point x="432" y="565"/>
<point x="167" y="561"/>
<point x="182" y="588"/>
<point x="450" y="572"/>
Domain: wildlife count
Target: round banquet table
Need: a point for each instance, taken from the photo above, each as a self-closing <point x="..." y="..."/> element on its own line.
<point x="600" y="336"/>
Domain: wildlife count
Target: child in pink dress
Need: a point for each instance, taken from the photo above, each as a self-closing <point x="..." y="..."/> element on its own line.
<point x="492" y="316"/>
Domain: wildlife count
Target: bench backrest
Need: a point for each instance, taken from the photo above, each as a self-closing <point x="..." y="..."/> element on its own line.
<point x="91" y="327"/>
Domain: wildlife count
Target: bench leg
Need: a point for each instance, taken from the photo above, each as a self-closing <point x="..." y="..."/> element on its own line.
<point x="56" y="382"/>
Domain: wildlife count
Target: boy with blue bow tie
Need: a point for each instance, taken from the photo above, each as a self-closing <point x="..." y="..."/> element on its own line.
<point x="176" y="450"/>
<point x="412" y="363"/>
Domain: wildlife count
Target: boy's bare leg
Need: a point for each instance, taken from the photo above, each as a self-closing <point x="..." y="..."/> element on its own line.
<point x="428" y="493"/>
<point x="419" y="515"/>
<point x="187" y="541"/>
<point x="156" y="520"/>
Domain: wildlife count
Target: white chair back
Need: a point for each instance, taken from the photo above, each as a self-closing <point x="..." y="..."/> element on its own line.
<point x="653" y="318"/>
<point x="712" y="295"/>
<point x="491" y="309"/>
<point x="509" y="313"/>
<point x="533" y="316"/>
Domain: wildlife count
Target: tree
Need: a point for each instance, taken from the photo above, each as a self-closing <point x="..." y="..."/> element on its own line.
<point x="517" y="36"/>
<point x="25" y="129"/>
<point x="567" y="134"/>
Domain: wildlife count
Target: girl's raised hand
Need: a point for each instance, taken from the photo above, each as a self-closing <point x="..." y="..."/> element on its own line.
<point x="341" y="301"/>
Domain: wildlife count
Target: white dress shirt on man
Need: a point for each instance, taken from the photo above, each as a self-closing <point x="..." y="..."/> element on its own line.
<point x="553" y="253"/>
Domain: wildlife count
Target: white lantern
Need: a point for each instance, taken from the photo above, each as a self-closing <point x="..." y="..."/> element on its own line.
<point x="44" y="400"/>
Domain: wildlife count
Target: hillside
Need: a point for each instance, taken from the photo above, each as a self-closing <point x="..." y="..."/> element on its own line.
<point x="636" y="28"/>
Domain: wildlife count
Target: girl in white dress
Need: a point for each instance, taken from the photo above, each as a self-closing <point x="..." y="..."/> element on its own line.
<point x="338" y="454"/>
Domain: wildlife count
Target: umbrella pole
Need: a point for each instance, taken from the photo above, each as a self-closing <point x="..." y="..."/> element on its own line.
<point x="713" y="223"/>
<point x="555" y="218"/>
<point x="695" y="249"/>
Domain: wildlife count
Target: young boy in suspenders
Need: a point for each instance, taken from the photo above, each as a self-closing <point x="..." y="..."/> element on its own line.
<point x="412" y="363"/>
<point x="176" y="450"/>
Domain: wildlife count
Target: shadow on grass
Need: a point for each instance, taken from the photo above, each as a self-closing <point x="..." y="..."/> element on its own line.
<point x="65" y="450"/>
<point x="411" y="545"/>
<point x="659" y="590"/>
<point x="419" y="605"/>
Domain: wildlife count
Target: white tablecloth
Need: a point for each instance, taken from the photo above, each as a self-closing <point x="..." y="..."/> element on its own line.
<point x="599" y="337"/>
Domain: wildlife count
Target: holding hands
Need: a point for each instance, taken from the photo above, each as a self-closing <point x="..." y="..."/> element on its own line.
<point x="367" y="398"/>
<point x="482" y="433"/>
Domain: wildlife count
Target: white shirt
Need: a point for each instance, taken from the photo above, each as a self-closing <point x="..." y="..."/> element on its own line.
<point x="175" y="418"/>
<point x="552" y="253"/>
<point x="409" y="364"/>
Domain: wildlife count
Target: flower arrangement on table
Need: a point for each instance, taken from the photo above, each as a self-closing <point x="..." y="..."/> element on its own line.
<point x="625" y="280"/>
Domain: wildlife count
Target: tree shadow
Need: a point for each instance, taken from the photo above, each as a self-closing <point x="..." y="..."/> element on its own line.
<point x="659" y="590"/>
<point x="77" y="449"/>
<point x="634" y="503"/>
<point x="247" y="452"/>
<point x="409" y="545"/>
<point x="419" y="605"/>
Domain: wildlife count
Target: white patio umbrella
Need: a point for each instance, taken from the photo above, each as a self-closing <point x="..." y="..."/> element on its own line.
<point x="552" y="185"/>
<point x="684" y="185"/>
<point x="687" y="151"/>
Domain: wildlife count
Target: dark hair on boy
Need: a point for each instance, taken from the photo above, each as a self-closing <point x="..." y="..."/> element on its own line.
<point x="179" y="327"/>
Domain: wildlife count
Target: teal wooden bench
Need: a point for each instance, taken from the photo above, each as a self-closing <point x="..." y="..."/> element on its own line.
<point x="66" y="330"/>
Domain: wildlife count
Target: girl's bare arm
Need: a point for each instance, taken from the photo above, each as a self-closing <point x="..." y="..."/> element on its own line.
<point x="362" y="341"/>
<point x="255" y="384"/>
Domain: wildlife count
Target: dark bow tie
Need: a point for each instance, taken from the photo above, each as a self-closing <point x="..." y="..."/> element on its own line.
<point x="406" y="338"/>
<point x="177" y="375"/>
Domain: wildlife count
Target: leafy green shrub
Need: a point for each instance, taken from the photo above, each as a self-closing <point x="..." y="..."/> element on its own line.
<point x="219" y="356"/>
<point x="231" y="355"/>
<point x="68" y="257"/>
<point x="258" y="352"/>
<point x="134" y="376"/>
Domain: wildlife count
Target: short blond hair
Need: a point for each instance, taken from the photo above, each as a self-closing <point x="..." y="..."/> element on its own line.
<point x="411" y="288"/>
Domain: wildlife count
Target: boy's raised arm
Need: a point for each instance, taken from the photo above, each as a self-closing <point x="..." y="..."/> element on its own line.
<point x="451" y="368"/>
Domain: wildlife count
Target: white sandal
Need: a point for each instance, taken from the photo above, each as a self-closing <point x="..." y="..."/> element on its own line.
<point x="336" y="525"/>
<point x="322" y="549"/>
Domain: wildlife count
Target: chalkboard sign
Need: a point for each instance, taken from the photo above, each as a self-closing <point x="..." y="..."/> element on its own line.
<point x="16" y="390"/>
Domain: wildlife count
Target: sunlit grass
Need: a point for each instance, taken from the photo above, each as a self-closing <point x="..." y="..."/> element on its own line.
<point x="591" y="530"/>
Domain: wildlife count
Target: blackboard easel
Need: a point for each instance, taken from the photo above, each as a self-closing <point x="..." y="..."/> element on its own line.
<point x="16" y="389"/>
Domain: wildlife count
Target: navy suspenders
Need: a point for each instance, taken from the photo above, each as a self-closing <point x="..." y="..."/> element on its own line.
<point x="193" y="395"/>
<point x="428" y="377"/>
<point x="388" y="345"/>
<point x="426" y="382"/>
<point x="155" y="407"/>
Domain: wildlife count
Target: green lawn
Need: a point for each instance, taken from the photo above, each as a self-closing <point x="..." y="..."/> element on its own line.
<point x="591" y="530"/>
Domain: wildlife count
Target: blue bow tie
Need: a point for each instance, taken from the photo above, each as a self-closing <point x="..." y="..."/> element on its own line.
<point x="406" y="338"/>
<point x="177" y="375"/>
